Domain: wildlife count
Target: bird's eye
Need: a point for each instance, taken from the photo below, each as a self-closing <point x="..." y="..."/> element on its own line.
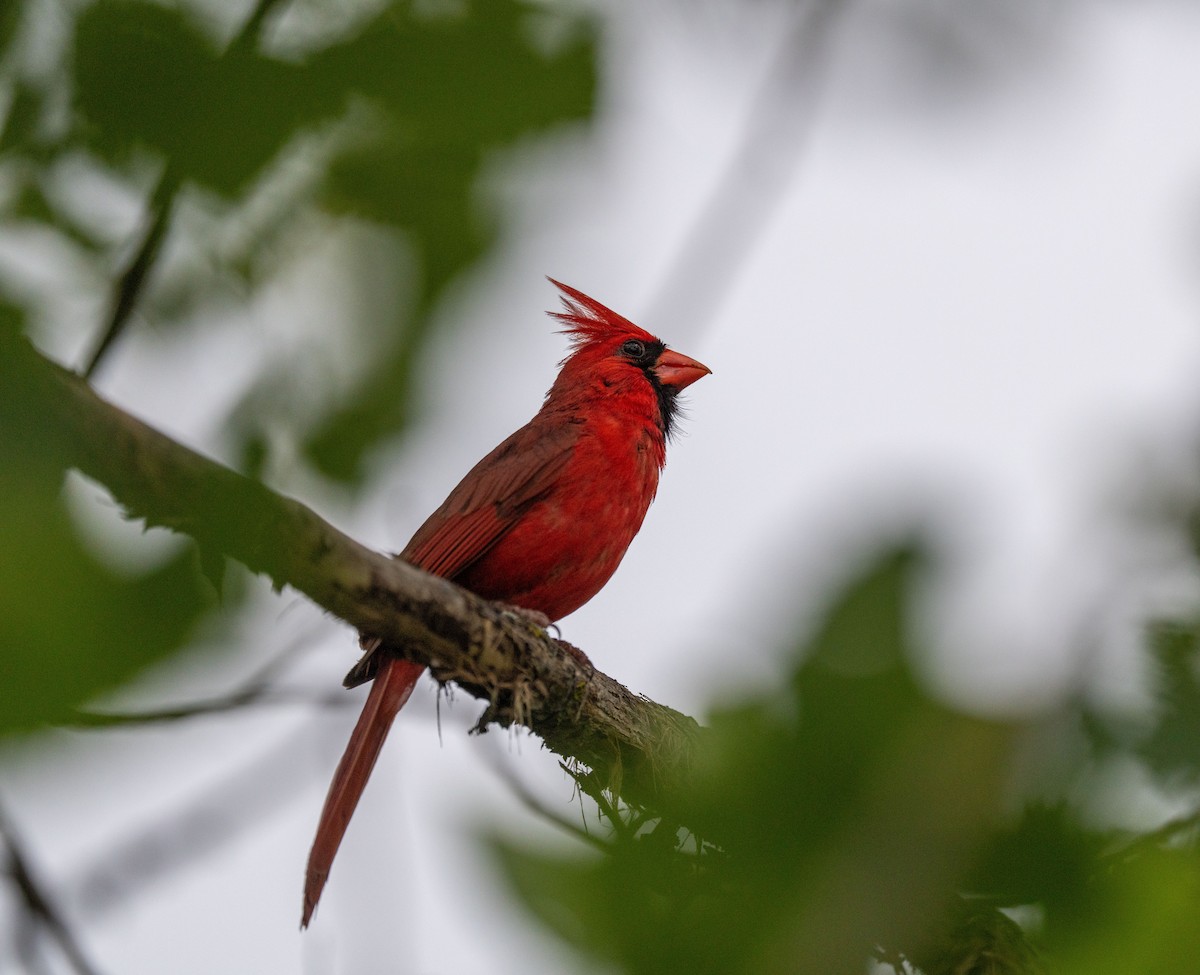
<point x="634" y="349"/>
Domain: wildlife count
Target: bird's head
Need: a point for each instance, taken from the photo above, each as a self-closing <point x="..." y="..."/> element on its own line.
<point x="613" y="356"/>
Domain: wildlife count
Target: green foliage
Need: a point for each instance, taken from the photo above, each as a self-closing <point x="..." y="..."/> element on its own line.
<point x="70" y="626"/>
<point x="21" y="121"/>
<point x="848" y="814"/>
<point x="448" y="92"/>
<point x="1173" y="747"/>
<point x="146" y="78"/>
<point x="979" y="941"/>
<point x="1046" y="857"/>
<point x="814" y="812"/>
<point x="10" y="17"/>
<point x="409" y="102"/>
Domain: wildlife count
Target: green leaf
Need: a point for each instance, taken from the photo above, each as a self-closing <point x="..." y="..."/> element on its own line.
<point x="1173" y="747"/>
<point x="473" y="77"/>
<point x="444" y="92"/>
<point x="428" y="191"/>
<point x="31" y="203"/>
<point x="1148" y="924"/>
<point x="21" y="120"/>
<point x="848" y="699"/>
<point x="981" y="941"/>
<point x="147" y="78"/>
<point x="70" y="626"/>
<point x="435" y="92"/>
<point x="10" y="20"/>
<point x="1047" y="858"/>
<point x="847" y="807"/>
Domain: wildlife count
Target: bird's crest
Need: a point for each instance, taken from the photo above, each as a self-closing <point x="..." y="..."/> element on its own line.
<point x="587" y="321"/>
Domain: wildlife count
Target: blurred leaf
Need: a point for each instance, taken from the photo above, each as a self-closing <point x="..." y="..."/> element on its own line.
<point x="70" y="627"/>
<point x="1049" y="859"/>
<point x="1173" y="748"/>
<point x="981" y="941"/>
<point x="10" y="19"/>
<point x="31" y="203"/>
<point x="451" y="89"/>
<point x="847" y="807"/>
<point x="836" y="722"/>
<point x="853" y="812"/>
<point x="421" y="187"/>
<point x="472" y="77"/>
<point x="21" y="120"/>
<point x="429" y="191"/>
<point x="1148" y="924"/>
<point x="148" y="78"/>
<point x="439" y="89"/>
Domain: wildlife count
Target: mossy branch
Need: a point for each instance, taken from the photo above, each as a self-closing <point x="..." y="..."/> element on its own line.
<point x="526" y="677"/>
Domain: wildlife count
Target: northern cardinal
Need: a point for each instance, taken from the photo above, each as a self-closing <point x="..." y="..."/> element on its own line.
<point x="540" y="523"/>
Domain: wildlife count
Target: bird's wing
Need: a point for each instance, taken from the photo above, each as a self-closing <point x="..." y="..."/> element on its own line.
<point x="492" y="498"/>
<point x="485" y="504"/>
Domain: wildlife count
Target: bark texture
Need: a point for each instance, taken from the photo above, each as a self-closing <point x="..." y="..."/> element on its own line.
<point x="633" y="745"/>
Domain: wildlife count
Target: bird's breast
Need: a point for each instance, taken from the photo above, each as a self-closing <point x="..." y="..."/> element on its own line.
<point x="567" y="545"/>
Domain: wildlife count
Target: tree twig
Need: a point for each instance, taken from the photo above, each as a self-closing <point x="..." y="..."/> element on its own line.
<point x="257" y="689"/>
<point x="38" y="904"/>
<point x="131" y="282"/>
<point x="539" y="809"/>
<point x="1154" y="839"/>
<point x="220" y="810"/>
<point x="234" y="701"/>
<point x="251" y="31"/>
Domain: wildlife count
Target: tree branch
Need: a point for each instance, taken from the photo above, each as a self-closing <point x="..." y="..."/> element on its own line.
<point x="130" y="283"/>
<point x="258" y="689"/>
<point x="635" y="746"/>
<point x="127" y="289"/>
<point x="38" y="903"/>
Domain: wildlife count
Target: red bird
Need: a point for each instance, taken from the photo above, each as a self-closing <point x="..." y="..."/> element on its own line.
<point x="540" y="523"/>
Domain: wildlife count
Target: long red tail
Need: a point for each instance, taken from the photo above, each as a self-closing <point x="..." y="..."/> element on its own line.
<point x="393" y="685"/>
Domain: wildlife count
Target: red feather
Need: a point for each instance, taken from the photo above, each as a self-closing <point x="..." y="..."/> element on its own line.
<point x="541" y="522"/>
<point x="588" y="321"/>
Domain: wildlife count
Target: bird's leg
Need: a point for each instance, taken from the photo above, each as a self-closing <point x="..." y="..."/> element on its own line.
<point x="543" y="622"/>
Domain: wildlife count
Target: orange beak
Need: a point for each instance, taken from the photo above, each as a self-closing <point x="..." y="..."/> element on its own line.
<point x="677" y="370"/>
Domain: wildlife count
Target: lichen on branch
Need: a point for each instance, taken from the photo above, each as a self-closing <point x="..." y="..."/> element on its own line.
<point x="527" y="678"/>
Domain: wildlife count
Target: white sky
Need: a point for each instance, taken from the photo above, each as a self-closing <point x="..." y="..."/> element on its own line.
<point x="985" y="313"/>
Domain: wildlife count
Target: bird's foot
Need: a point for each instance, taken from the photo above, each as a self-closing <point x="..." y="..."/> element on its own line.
<point x="540" y="620"/>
